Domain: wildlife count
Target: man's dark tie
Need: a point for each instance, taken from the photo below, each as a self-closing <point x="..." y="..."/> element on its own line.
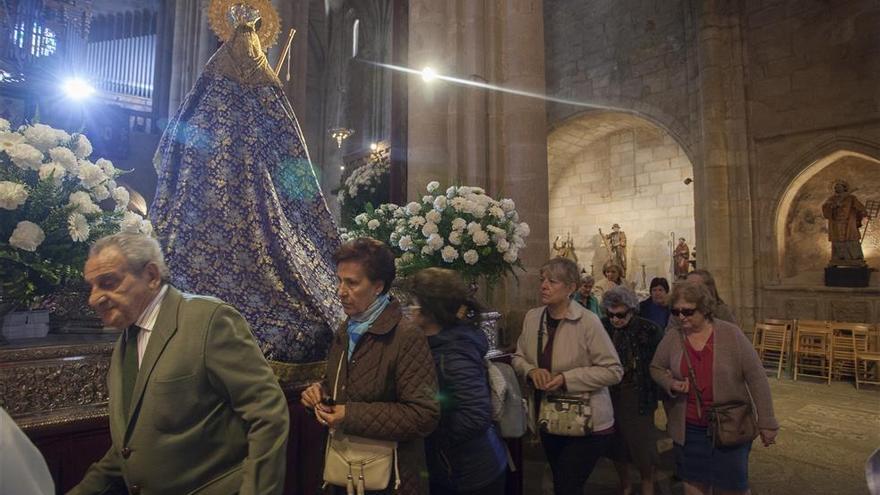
<point x="129" y="366"/>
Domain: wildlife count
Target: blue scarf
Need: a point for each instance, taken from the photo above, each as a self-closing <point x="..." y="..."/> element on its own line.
<point x="358" y="324"/>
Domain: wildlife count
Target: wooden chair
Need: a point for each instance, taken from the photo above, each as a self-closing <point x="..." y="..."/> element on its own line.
<point x="772" y="344"/>
<point x="867" y="368"/>
<point x="846" y="338"/>
<point x="812" y="349"/>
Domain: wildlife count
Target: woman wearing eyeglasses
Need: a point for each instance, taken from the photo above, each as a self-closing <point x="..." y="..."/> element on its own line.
<point x="635" y="397"/>
<point x="576" y="359"/>
<point x="725" y="369"/>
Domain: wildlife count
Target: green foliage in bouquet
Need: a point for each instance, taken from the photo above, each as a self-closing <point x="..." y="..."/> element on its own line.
<point x="53" y="203"/>
<point x="462" y="229"/>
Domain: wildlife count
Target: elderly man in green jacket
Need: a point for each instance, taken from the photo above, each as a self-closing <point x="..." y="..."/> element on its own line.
<point x="194" y="406"/>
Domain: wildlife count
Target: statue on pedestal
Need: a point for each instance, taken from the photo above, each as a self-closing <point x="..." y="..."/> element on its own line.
<point x="617" y="246"/>
<point x="681" y="259"/>
<point x="566" y="249"/>
<point x="845" y="214"/>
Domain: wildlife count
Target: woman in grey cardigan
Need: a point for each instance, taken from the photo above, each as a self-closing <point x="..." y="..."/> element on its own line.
<point x="726" y="369"/>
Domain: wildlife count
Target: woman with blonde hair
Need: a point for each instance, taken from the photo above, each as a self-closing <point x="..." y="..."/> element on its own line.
<point x="563" y="349"/>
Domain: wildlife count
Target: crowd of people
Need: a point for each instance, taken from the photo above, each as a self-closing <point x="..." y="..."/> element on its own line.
<point x="408" y="401"/>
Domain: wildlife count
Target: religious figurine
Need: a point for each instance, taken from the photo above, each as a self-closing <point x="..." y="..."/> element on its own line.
<point x="238" y="208"/>
<point x="845" y="214"/>
<point x="617" y="246"/>
<point x="681" y="259"/>
<point x="566" y="249"/>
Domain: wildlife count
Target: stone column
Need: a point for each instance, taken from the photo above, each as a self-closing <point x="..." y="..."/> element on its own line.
<point x="194" y="43"/>
<point x="722" y="213"/>
<point x="428" y="155"/>
<point x="473" y="103"/>
<point x="521" y="171"/>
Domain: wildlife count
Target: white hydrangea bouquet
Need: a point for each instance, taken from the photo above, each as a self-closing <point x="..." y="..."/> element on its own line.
<point x="461" y="228"/>
<point x="366" y="185"/>
<point x="53" y="202"/>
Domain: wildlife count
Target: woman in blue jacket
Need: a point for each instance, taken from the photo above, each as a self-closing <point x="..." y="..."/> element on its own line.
<point x="465" y="454"/>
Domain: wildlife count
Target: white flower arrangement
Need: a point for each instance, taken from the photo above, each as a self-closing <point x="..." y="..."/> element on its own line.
<point x="367" y="184"/>
<point x="51" y="207"/>
<point x="459" y="228"/>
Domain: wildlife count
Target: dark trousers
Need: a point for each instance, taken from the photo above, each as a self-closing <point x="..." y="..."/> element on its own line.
<point x="496" y="487"/>
<point x="572" y="459"/>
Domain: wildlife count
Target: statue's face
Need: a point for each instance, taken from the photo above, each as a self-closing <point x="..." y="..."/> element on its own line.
<point x="839" y="188"/>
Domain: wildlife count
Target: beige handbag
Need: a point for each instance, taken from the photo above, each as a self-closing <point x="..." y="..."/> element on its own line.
<point x="358" y="463"/>
<point x="565" y="416"/>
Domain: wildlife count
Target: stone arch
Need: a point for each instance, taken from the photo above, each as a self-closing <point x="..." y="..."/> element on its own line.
<point x="799" y="174"/>
<point x="608" y="167"/>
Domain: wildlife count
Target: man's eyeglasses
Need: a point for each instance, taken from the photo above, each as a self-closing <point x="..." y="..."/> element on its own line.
<point x="683" y="312"/>
<point x="619" y="316"/>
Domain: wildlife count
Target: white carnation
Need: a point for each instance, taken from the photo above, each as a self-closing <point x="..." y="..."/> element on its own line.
<point x="455" y="237"/>
<point x="507" y="205"/>
<point x="65" y="158"/>
<point x="433" y="186"/>
<point x="428" y="199"/>
<point x="82" y="147"/>
<point x="459" y="224"/>
<point x="502" y="245"/>
<point x="146" y="227"/>
<point x="481" y="238"/>
<point x="407" y="257"/>
<point x="44" y="137"/>
<point x="4" y="125"/>
<point x="478" y="190"/>
<point x="427" y="250"/>
<point x="107" y="167"/>
<point x="394" y="237"/>
<point x="131" y="222"/>
<point x="90" y="174"/>
<point x="405" y="243"/>
<point x="496" y="212"/>
<point x="12" y="195"/>
<point x="78" y="227"/>
<point x="429" y="228"/>
<point x="511" y="256"/>
<point x="9" y="139"/>
<point x="470" y="257"/>
<point x="465" y="190"/>
<point x="101" y="192"/>
<point x="399" y="213"/>
<point x="373" y="224"/>
<point x="518" y="241"/>
<point x="27" y="236"/>
<point x="458" y="203"/>
<point x="360" y="219"/>
<point x="449" y="254"/>
<point x="523" y="229"/>
<point x="450" y="192"/>
<point x="434" y="216"/>
<point x="473" y="227"/>
<point x="440" y="203"/>
<point x="82" y="202"/>
<point x="413" y="208"/>
<point x="122" y="197"/>
<point x="54" y="170"/>
<point x="435" y="241"/>
<point x="25" y="156"/>
<point x="417" y="221"/>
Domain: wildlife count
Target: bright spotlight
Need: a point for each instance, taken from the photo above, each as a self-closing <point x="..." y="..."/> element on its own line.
<point x="77" y="89"/>
<point x="428" y="74"/>
<point x="374" y="146"/>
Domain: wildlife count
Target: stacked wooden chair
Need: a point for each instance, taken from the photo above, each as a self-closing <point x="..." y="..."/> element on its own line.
<point x="847" y="340"/>
<point x="772" y="340"/>
<point x="813" y="354"/>
<point x="867" y="369"/>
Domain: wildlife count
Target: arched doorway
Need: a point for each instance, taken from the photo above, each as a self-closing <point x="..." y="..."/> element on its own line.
<point x="614" y="167"/>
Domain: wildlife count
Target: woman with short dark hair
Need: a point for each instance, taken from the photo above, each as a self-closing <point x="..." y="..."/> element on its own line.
<point x="465" y="454"/>
<point x="387" y="389"/>
<point x="635" y="397"/>
<point x="725" y="369"/>
<point x="656" y="307"/>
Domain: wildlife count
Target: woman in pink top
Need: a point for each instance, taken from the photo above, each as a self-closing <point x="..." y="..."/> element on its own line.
<point x="726" y="369"/>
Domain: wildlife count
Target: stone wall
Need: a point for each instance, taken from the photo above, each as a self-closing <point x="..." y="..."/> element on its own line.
<point x="616" y="168"/>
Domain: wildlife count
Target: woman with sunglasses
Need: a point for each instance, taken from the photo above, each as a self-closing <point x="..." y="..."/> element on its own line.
<point x="725" y="368"/>
<point x="577" y="359"/>
<point x="635" y="397"/>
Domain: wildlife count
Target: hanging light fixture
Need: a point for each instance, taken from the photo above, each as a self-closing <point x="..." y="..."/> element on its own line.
<point x="340" y="134"/>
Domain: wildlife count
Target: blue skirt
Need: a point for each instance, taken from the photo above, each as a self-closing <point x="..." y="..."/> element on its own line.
<point x="698" y="461"/>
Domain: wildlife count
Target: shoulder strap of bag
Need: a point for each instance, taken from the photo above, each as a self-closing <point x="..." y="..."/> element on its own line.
<point x="692" y="374"/>
<point x="542" y="327"/>
<point x="338" y="371"/>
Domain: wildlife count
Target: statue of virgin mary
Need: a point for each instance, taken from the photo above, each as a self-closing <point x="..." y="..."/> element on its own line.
<point x="238" y="209"/>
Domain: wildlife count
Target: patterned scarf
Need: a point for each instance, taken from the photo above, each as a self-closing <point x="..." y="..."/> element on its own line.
<point x="358" y="324"/>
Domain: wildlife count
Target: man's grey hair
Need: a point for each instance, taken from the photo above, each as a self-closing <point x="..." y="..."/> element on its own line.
<point x="137" y="249"/>
<point x="586" y="278"/>
<point x="620" y="296"/>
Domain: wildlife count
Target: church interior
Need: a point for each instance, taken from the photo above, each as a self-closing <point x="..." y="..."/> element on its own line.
<point x="663" y="136"/>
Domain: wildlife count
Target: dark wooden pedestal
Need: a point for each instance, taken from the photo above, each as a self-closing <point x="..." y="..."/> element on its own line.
<point x="847" y="276"/>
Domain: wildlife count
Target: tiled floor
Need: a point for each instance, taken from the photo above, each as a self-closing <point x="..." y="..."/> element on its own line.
<point x="827" y="433"/>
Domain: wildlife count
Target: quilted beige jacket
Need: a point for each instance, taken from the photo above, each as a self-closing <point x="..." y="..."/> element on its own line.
<point x="389" y="390"/>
